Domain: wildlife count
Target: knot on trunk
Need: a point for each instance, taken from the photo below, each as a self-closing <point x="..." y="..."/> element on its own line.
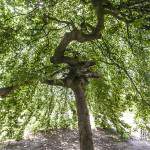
<point x="80" y="73"/>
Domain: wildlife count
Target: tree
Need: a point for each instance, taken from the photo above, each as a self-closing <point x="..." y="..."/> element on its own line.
<point x="30" y="30"/>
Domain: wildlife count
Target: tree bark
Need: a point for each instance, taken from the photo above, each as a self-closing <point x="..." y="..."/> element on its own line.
<point x="85" y="132"/>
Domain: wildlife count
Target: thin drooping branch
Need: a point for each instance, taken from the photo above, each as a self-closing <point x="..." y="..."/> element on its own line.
<point x="134" y="4"/>
<point x="60" y="21"/>
<point x="5" y="91"/>
<point x="123" y="11"/>
<point x="116" y="14"/>
<point x="122" y="67"/>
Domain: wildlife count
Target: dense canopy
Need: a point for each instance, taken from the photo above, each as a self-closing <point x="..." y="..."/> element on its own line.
<point x="112" y="33"/>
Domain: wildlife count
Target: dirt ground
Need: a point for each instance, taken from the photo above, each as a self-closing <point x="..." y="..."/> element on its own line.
<point x="68" y="140"/>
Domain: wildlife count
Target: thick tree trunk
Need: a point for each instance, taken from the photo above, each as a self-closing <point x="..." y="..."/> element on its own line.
<point x="85" y="133"/>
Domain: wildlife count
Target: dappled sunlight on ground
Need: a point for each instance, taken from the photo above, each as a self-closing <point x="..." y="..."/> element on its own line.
<point x="68" y="140"/>
<point x="60" y="140"/>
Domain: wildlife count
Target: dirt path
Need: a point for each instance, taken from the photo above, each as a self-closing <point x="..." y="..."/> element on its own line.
<point x="134" y="145"/>
<point x="68" y="140"/>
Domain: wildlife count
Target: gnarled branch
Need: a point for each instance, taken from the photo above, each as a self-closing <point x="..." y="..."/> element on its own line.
<point x="78" y="35"/>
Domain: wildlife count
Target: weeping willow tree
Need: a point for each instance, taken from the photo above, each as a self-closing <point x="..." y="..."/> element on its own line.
<point x="52" y="52"/>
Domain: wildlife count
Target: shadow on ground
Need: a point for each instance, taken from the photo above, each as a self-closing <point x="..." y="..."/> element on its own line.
<point x="68" y="140"/>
